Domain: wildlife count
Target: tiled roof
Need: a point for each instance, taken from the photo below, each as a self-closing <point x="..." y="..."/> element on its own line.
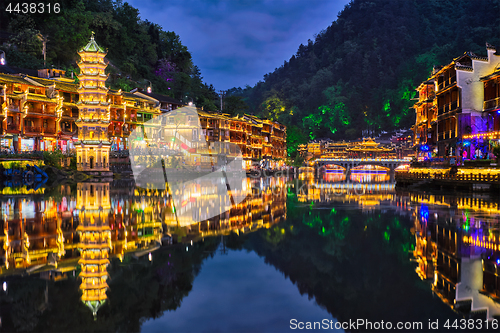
<point x="60" y="85"/>
<point x="490" y="47"/>
<point x="92" y="46"/>
<point x="40" y="98"/>
<point x="128" y="95"/>
<point x="476" y="57"/>
<point x="5" y="78"/>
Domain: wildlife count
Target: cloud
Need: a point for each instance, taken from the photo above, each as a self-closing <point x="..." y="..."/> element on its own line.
<point x="236" y="42"/>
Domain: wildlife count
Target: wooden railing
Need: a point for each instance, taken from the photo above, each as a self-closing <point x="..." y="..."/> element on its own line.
<point x="469" y="177"/>
<point x="32" y="129"/>
<point x="492" y="103"/>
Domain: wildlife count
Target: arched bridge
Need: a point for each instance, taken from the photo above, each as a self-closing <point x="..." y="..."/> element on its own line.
<point x="349" y="163"/>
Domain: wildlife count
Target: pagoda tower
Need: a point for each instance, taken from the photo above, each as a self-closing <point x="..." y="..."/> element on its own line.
<point x="93" y="145"/>
<point x="95" y="242"/>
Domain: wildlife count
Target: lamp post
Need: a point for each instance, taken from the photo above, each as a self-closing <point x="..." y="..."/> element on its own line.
<point x="192" y="100"/>
<point x="150" y="88"/>
<point x="3" y="61"/>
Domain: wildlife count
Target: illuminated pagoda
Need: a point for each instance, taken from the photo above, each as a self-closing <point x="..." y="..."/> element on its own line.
<point x="93" y="145"/>
<point x="95" y="242"/>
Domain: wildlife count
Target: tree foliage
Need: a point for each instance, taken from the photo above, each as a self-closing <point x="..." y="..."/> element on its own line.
<point x="360" y="73"/>
<point x="139" y="51"/>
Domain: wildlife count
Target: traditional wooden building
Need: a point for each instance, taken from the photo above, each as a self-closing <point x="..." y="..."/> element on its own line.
<point x="426" y="115"/>
<point x="53" y="112"/>
<point x="460" y="105"/>
<point x="369" y="149"/>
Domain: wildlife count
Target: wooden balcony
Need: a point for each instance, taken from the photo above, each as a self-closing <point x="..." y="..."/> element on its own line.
<point x="491" y="104"/>
<point x="12" y="127"/>
<point x="32" y="129"/>
<point x="446" y="83"/>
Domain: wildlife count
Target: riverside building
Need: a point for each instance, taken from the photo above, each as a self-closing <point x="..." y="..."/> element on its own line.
<point x="457" y="111"/>
<point x="51" y="111"/>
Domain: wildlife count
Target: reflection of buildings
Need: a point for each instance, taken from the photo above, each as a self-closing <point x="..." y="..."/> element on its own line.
<point x="368" y="196"/>
<point x="458" y="247"/>
<point x="36" y="231"/>
<point x="265" y="206"/>
<point x="34" y="228"/>
<point x="95" y="242"/>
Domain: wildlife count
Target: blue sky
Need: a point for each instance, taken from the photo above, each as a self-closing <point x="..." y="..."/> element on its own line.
<point x="234" y="43"/>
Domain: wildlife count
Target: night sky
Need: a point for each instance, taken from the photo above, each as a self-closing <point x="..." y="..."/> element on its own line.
<point x="234" y="43"/>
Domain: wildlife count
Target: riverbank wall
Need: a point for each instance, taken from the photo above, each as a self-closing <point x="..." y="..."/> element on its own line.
<point x="452" y="179"/>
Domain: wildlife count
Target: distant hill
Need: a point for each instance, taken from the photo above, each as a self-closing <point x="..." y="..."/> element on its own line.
<point x="360" y="73"/>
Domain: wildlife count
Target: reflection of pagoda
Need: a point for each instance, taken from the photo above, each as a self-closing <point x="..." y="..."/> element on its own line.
<point x="95" y="242"/>
<point x="93" y="146"/>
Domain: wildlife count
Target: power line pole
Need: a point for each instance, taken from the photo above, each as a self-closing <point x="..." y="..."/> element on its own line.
<point x="44" y="41"/>
<point x="222" y="94"/>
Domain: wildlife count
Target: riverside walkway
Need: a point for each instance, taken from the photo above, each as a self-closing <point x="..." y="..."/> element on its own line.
<point x="471" y="179"/>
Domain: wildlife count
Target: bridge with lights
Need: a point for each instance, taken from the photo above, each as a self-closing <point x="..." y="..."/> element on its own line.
<point x="349" y="163"/>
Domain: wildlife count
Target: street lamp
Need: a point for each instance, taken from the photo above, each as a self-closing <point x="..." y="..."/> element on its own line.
<point x="150" y="88"/>
<point x="192" y="101"/>
<point x="3" y="61"/>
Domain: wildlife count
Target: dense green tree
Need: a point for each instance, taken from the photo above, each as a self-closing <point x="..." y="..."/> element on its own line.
<point x="138" y="50"/>
<point x="294" y="137"/>
<point x="374" y="64"/>
<point x="235" y="105"/>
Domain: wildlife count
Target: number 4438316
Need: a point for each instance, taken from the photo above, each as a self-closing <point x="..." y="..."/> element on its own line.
<point x="33" y="8"/>
<point x="471" y="324"/>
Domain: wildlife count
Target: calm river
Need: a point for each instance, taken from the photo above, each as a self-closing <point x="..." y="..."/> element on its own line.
<point x="114" y="257"/>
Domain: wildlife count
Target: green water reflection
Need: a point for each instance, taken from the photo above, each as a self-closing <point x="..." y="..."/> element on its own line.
<point x="359" y="250"/>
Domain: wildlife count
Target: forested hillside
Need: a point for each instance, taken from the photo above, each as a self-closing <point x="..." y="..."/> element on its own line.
<point x="361" y="72"/>
<point x="139" y="51"/>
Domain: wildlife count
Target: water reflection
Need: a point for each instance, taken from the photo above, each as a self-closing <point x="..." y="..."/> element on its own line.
<point x="95" y="242"/>
<point x="458" y="250"/>
<point x="359" y="250"/>
<point x="74" y="232"/>
<point x="348" y="245"/>
<point x="456" y="244"/>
